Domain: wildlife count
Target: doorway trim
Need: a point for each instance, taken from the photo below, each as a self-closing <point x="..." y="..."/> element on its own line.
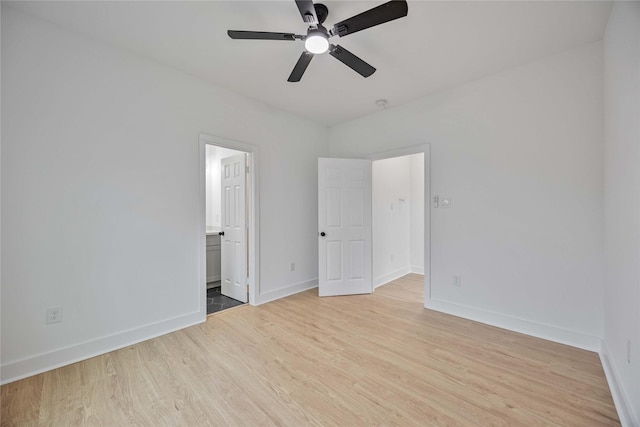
<point x="407" y="151"/>
<point x="253" y="222"/>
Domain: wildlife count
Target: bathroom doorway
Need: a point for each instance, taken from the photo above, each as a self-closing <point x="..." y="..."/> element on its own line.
<point x="227" y="223"/>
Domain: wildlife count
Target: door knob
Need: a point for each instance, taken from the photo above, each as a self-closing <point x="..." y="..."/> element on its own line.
<point x="322" y="234"/>
<point x="221" y="233"/>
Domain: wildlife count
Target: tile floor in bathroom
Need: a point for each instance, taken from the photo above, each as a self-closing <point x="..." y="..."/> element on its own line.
<point x="218" y="302"/>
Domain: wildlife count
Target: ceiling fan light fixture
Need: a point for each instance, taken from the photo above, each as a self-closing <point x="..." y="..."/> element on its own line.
<point x="316" y="42"/>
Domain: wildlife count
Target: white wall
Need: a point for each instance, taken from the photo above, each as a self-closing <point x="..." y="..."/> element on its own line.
<point x="622" y="207"/>
<point x="520" y="154"/>
<point x="100" y="183"/>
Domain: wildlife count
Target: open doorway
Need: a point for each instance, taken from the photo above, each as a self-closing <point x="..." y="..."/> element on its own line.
<point x="355" y="255"/>
<point x="225" y="212"/>
<point x="400" y="219"/>
<point x="227" y="225"/>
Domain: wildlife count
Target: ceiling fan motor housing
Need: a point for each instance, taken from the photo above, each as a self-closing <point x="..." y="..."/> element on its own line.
<point x="321" y="12"/>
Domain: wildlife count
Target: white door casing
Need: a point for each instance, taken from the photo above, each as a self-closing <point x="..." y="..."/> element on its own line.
<point x="234" y="240"/>
<point x="344" y="216"/>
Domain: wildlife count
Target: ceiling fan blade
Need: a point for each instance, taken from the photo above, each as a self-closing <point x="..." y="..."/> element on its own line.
<point x="378" y="15"/>
<point x="261" y="35"/>
<point x="351" y="61"/>
<point x="300" y="67"/>
<point x="307" y="11"/>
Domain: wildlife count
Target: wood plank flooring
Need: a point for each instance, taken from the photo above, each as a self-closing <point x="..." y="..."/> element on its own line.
<point x="362" y="360"/>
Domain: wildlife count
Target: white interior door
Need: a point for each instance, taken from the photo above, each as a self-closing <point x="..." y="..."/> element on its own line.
<point x="233" y="240"/>
<point x="344" y="220"/>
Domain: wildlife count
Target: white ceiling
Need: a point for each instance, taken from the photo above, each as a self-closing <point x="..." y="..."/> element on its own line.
<point x="440" y="44"/>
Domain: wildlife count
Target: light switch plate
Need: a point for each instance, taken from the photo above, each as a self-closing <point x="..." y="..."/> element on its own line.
<point x="445" y="202"/>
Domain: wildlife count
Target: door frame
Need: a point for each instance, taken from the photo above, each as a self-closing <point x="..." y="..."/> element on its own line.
<point x="407" y="151"/>
<point x="253" y="211"/>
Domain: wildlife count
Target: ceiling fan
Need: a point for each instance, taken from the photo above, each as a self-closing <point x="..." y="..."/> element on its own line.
<point x="316" y="41"/>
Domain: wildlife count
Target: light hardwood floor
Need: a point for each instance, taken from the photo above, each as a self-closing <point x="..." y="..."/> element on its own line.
<point x="378" y="359"/>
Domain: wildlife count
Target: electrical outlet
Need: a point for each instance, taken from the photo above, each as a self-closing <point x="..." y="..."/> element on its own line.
<point x="54" y="315"/>
<point x="292" y="266"/>
<point x="457" y="280"/>
<point x="629" y="351"/>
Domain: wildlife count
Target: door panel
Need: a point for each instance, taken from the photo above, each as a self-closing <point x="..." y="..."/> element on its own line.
<point x="334" y="207"/>
<point x="334" y="260"/>
<point x="344" y="215"/>
<point x="356" y="255"/>
<point x="355" y="198"/>
<point x="233" y="242"/>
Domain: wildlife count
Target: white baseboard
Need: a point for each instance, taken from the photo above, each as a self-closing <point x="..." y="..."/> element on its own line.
<point x="417" y="269"/>
<point x="625" y="411"/>
<point x="37" y="364"/>
<point x="528" y="327"/>
<point x="379" y="281"/>
<point x="285" y="291"/>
